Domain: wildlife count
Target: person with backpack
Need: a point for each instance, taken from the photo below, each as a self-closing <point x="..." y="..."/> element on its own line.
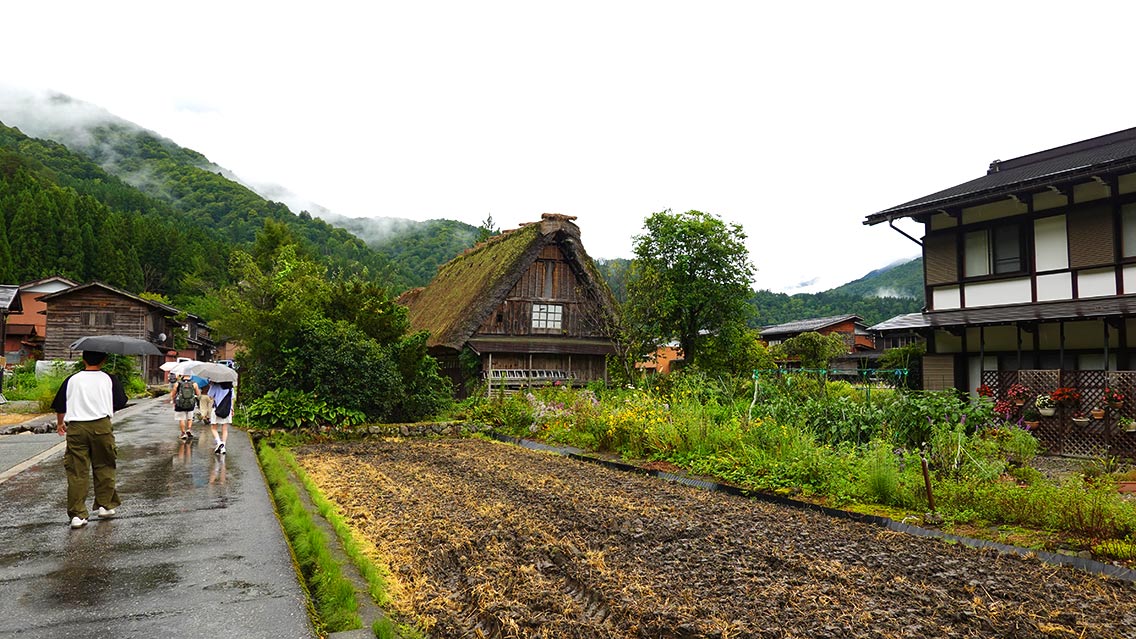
<point x="184" y="398"/>
<point x="223" y="396"/>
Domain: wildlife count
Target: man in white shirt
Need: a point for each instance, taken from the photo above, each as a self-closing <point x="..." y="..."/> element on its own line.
<point x="83" y="408"/>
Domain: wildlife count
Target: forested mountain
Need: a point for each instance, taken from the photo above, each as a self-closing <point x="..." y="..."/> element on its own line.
<point x="169" y="230"/>
<point x="903" y="279"/>
<point x="866" y="297"/>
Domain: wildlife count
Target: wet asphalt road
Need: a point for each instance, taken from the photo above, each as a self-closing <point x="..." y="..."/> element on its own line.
<point x="194" y="551"/>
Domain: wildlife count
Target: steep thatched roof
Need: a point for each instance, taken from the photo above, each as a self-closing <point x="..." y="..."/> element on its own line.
<point x="470" y="286"/>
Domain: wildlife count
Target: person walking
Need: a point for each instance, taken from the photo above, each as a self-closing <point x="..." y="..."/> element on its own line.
<point x="184" y="398"/>
<point x="224" y="396"/>
<point x="205" y="405"/>
<point x="83" y="408"/>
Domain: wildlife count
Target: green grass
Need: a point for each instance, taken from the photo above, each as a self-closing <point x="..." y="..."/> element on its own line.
<point x="333" y="595"/>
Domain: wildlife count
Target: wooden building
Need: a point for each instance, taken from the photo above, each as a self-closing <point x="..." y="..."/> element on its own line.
<point x="26" y="329"/>
<point x="527" y="306"/>
<point x="1030" y="275"/>
<point x="851" y="329"/>
<point x="100" y="309"/>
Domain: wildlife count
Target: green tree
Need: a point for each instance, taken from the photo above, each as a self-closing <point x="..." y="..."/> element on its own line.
<point x="690" y="279"/>
<point x="813" y="350"/>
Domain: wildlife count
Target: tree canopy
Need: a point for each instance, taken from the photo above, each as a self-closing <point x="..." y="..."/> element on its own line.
<point x="690" y="280"/>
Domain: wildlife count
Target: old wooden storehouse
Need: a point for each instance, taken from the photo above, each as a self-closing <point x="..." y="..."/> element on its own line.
<point x="524" y="307"/>
<point x="100" y="309"/>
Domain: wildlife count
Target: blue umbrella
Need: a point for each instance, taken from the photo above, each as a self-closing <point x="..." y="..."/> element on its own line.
<point x="200" y="381"/>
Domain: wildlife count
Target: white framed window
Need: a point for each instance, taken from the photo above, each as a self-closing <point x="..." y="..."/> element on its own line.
<point x="547" y="317"/>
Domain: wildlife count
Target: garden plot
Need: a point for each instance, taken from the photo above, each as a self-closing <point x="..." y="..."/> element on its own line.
<point x="492" y="540"/>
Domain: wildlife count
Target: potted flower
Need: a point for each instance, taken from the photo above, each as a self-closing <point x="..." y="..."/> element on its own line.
<point x="1004" y="407"/>
<point x="1018" y="393"/>
<point x="1114" y="398"/>
<point x="1045" y="405"/>
<point x="1031" y="418"/>
<point x="1080" y="419"/>
<point x="985" y="391"/>
<point x="1127" y="424"/>
<point x="1097" y="412"/>
<point x="1065" y="396"/>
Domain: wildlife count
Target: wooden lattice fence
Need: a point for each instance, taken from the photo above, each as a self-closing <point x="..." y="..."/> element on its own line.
<point x="1058" y="434"/>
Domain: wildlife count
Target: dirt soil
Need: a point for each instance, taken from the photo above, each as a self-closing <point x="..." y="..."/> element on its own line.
<point x="493" y="540"/>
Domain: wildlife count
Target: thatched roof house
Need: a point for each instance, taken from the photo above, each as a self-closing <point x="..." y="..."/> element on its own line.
<point x="528" y="304"/>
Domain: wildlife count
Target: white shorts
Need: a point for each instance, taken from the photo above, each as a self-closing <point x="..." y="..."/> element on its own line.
<point x="228" y="419"/>
<point x="183" y="415"/>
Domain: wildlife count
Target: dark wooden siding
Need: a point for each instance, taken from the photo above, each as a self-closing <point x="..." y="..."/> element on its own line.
<point x="582" y="368"/>
<point x="65" y="320"/>
<point x="1090" y="237"/>
<point x="549" y="280"/>
<point x="941" y="258"/>
<point x="938" y="372"/>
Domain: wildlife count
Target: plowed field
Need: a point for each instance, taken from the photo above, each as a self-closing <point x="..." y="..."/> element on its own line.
<point x="492" y="540"/>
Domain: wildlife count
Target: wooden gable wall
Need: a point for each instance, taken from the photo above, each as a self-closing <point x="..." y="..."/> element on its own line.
<point x="65" y="317"/>
<point x="549" y="280"/>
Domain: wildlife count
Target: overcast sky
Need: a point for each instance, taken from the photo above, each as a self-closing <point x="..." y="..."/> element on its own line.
<point x="795" y="120"/>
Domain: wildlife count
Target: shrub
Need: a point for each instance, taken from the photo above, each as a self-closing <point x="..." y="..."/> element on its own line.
<point x="291" y="409"/>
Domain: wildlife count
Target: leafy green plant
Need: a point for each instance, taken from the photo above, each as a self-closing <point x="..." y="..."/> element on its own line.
<point x="291" y="409"/>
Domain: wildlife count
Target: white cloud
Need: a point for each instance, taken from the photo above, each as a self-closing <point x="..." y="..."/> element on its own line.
<point x="795" y="120"/>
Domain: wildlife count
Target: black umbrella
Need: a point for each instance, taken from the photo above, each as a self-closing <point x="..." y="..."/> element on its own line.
<point x="119" y="344"/>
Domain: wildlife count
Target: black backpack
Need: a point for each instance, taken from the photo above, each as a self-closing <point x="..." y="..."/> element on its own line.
<point x="185" y="399"/>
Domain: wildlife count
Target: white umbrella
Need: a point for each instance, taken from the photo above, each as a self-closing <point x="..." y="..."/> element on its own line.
<point x="185" y="367"/>
<point x="213" y="371"/>
<point x="168" y="366"/>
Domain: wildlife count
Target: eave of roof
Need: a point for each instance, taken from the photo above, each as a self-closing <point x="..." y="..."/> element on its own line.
<point x="542" y="344"/>
<point x="1070" y="310"/>
<point x="165" y="308"/>
<point x="1104" y="155"/>
<point x="10" y="299"/>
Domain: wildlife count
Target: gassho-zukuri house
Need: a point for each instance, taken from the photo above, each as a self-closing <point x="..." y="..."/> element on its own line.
<point x="1031" y="266"/>
<point x="524" y="307"/>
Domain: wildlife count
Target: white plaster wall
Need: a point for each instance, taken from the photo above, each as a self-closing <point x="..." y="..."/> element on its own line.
<point x="1089" y="191"/>
<point x="993" y="211"/>
<point x="1051" y="245"/>
<point x="942" y="221"/>
<point x="1055" y="286"/>
<point x="945" y="297"/>
<point x="1096" y="283"/>
<point x="1129" y="278"/>
<point x="1015" y="291"/>
<point x="947" y="343"/>
<point x="1048" y="200"/>
<point x="1127" y="183"/>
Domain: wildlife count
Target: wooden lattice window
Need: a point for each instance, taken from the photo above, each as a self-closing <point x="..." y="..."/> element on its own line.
<point x="96" y="319"/>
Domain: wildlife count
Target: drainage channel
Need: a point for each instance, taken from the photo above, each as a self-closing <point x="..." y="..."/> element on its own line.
<point x="1087" y="565"/>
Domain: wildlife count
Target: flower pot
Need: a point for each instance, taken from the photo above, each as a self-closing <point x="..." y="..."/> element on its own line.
<point x="1126" y="486"/>
<point x="1081" y="421"/>
<point x="1019" y="402"/>
<point x="1030" y="425"/>
<point x="1097" y="413"/>
<point x="1047" y="412"/>
<point x="1116" y="405"/>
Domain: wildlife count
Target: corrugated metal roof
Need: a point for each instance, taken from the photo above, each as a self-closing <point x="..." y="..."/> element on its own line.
<point x="1036" y="170"/>
<point x="1043" y="312"/>
<point x="805" y="325"/>
<point x="10" y="299"/>
<point x="906" y="321"/>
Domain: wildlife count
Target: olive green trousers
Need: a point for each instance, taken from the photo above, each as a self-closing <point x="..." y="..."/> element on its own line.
<point x="91" y="452"/>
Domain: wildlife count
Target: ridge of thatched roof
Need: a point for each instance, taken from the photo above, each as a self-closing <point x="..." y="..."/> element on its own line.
<point x="468" y="287"/>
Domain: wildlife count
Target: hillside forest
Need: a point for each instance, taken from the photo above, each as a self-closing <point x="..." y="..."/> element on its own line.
<point x="139" y="212"/>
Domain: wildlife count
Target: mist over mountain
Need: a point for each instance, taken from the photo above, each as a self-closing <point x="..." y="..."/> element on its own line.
<point x="174" y="182"/>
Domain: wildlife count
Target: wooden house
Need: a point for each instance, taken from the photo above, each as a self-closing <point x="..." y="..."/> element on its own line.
<point x="1030" y="276"/>
<point x="851" y="329"/>
<point x="26" y="328"/>
<point x="100" y="309"/>
<point x="526" y="306"/>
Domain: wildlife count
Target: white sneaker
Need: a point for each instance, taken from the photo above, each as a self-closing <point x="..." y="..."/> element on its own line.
<point x="78" y="522"/>
<point x="222" y="449"/>
<point x="105" y="512"/>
